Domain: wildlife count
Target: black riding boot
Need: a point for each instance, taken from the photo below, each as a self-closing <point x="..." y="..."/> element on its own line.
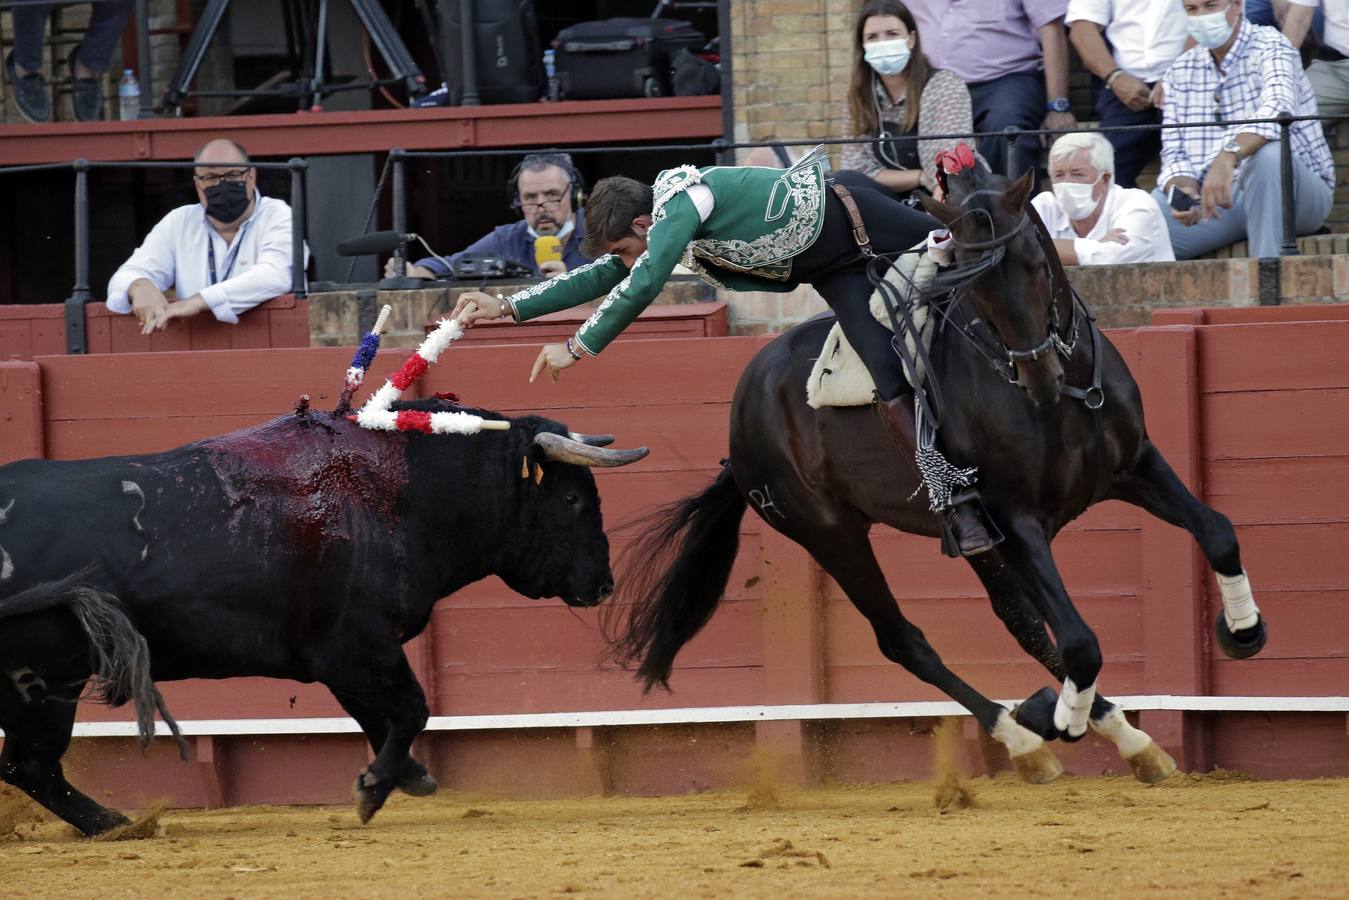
<point x="961" y="516"/>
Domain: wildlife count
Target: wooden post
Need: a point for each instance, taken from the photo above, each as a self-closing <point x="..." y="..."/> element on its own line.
<point x="21" y="427"/>
<point x="212" y="768"/>
<point x="1174" y="615"/>
<point x="792" y="599"/>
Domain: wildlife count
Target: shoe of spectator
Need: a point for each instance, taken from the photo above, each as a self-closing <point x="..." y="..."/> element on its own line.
<point x="86" y="94"/>
<point x="30" y="94"/>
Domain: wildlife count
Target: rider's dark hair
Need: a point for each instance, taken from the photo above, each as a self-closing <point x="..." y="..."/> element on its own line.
<point x="610" y="209"/>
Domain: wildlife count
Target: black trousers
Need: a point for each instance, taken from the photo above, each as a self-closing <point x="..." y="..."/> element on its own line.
<point x="830" y="265"/>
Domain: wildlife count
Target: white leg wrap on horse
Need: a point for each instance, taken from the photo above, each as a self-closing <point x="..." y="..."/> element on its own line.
<point x="1074" y="708"/>
<point x="1017" y="739"/>
<point x="1238" y="603"/>
<point x="1116" y="729"/>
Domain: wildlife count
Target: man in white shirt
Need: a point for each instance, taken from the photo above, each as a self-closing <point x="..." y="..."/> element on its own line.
<point x="226" y="253"/>
<point x="1093" y="220"/>
<point x="1329" y="72"/>
<point x="1128" y="46"/>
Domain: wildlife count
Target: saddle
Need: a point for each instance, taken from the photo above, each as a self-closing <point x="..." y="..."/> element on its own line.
<point x="839" y="377"/>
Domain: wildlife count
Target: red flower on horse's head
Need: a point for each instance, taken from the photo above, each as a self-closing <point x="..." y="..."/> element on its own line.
<point x="956" y="160"/>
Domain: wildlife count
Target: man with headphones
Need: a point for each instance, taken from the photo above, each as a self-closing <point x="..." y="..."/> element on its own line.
<point x="547" y="191"/>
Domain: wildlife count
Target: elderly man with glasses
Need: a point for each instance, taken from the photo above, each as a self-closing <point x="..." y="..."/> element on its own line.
<point x="546" y="190"/>
<point x="226" y="253"/>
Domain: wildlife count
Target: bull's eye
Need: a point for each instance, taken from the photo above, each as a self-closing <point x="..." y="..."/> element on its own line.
<point x="572" y="499"/>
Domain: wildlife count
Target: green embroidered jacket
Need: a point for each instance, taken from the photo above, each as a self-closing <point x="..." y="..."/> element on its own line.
<point x="761" y="218"/>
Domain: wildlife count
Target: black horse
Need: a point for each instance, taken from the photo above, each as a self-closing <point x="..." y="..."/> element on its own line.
<point x="824" y="477"/>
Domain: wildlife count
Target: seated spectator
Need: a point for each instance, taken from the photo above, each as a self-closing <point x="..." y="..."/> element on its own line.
<point x="1013" y="56"/>
<point x="546" y="189"/>
<point x="1128" y="47"/>
<point x="1329" y="72"/>
<point x="896" y="94"/>
<point x="226" y="253"/>
<point x="1093" y="220"/>
<point x="1238" y="71"/>
<point x="86" y="62"/>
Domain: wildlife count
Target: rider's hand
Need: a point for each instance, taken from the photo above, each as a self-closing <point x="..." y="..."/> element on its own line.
<point x="554" y="358"/>
<point x="475" y="306"/>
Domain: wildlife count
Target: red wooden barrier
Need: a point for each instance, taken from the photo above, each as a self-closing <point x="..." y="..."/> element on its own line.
<point x="29" y="330"/>
<point x="1254" y="417"/>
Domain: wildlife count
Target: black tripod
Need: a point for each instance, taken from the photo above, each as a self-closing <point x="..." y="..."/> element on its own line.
<point x="309" y="54"/>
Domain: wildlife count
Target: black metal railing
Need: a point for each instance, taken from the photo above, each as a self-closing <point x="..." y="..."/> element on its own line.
<point x="399" y="157"/>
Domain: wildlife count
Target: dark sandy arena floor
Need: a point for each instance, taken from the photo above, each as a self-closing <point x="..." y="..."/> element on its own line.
<point x="1220" y="835"/>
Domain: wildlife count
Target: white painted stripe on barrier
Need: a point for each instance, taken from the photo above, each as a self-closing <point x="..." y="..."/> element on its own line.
<point x="702" y="715"/>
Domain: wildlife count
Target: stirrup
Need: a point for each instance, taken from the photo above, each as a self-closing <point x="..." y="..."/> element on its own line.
<point x="949" y="545"/>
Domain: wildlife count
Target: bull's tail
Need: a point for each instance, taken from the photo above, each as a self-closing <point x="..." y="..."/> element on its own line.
<point x="674" y="575"/>
<point x="119" y="655"/>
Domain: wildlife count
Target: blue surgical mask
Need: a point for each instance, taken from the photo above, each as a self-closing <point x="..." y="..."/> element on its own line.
<point x="1210" y="30"/>
<point x="887" y="57"/>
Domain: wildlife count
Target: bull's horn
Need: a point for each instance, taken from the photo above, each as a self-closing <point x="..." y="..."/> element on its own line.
<point x="594" y="440"/>
<point x="564" y="449"/>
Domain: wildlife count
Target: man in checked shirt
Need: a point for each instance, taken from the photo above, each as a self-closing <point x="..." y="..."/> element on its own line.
<point x="1236" y="71"/>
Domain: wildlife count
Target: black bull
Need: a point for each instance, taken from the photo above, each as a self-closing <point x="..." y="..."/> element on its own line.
<point x="305" y="548"/>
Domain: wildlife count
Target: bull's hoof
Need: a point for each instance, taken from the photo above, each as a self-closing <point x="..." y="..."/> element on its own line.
<point x="370" y="796"/>
<point x="1152" y="764"/>
<point x="1039" y="766"/>
<point x="1036" y="713"/>
<point x="422" y="785"/>
<point x="1240" y="644"/>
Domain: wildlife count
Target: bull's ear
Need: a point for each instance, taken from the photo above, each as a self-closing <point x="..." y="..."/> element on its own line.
<point x="1017" y="195"/>
<point x="942" y="212"/>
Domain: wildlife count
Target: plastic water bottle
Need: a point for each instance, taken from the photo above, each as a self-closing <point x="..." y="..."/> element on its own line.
<point x="550" y="69"/>
<point x="129" y="96"/>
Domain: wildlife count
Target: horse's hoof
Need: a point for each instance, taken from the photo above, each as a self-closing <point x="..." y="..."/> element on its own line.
<point x="369" y="797"/>
<point x="422" y="785"/>
<point x="1152" y="764"/>
<point x="1039" y="766"/>
<point x="1036" y="713"/>
<point x="1240" y="644"/>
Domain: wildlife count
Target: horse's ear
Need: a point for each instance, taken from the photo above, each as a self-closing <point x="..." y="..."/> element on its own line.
<point x="940" y="211"/>
<point x="1017" y="195"/>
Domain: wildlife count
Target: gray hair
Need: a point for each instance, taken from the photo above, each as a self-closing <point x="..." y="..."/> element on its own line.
<point x="1099" y="150"/>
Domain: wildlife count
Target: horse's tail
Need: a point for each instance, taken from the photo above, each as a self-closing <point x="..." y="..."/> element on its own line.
<point x="119" y="655"/>
<point x="674" y="575"/>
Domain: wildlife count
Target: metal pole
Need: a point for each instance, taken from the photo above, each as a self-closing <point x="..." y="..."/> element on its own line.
<point x="468" y="45"/>
<point x="1012" y="134"/>
<point x="1286" y="184"/>
<point x="400" y="210"/>
<point x="320" y="58"/>
<point x="299" y="226"/>
<point x="76" y="339"/>
<point x="727" y="87"/>
<point x="146" y="73"/>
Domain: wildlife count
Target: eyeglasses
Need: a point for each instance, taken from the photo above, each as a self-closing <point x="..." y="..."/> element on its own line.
<point x="548" y="199"/>
<point x="210" y="181"/>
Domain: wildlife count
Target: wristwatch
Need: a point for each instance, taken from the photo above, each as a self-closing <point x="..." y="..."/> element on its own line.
<point x="1233" y="148"/>
<point x="1058" y="104"/>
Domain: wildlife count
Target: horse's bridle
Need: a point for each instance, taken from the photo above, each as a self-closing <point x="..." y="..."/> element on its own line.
<point x="995" y="249"/>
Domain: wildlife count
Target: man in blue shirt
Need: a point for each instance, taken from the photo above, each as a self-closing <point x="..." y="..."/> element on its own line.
<point x="545" y="188"/>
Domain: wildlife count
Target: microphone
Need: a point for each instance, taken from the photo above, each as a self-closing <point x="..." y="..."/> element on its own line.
<point x="547" y="248"/>
<point x="373" y="243"/>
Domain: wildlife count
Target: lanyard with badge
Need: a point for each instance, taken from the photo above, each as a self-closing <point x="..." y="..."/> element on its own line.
<point x="230" y="259"/>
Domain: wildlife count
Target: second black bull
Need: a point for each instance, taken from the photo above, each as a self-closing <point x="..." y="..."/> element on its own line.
<point x="305" y="548"/>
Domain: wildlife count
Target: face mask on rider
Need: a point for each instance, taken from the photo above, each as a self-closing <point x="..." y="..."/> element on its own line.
<point x="1076" y="198"/>
<point x="1210" y="30"/>
<point x="887" y="57"/>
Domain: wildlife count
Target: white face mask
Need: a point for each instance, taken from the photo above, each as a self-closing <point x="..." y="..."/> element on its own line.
<point x="567" y="228"/>
<point x="887" y="57"/>
<point x="1210" y="30"/>
<point x="1076" y="198"/>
